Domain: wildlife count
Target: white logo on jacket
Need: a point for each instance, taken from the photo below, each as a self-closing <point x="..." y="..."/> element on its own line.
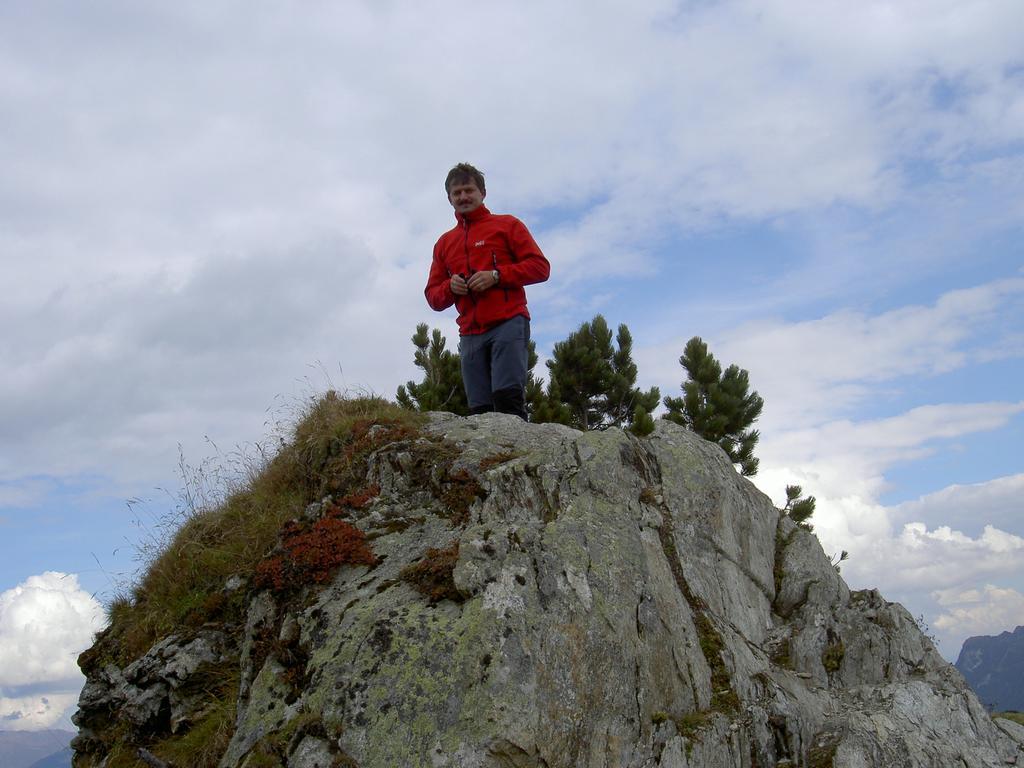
<point x="479" y="242"/>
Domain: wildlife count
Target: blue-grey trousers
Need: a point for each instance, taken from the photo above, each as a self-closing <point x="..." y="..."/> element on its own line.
<point x="494" y="367"/>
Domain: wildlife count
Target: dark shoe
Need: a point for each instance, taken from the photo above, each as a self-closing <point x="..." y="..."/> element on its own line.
<point x="510" y="400"/>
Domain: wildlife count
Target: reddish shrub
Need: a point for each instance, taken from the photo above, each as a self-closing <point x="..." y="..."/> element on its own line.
<point x="489" y="462"/>
<point x="312" y="554"/>
<point x="433" y="575"/>
<point x="360" y="499"/>
<point x="458" y="494"/>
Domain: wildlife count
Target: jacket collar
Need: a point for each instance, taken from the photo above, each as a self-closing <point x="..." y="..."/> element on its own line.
<point x="475" y="215"/>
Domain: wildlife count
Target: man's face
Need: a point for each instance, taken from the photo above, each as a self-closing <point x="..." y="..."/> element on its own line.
<point x="465" y="197"/>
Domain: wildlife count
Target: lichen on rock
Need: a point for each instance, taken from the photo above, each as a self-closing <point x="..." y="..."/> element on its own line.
<point x="543" y="597"/>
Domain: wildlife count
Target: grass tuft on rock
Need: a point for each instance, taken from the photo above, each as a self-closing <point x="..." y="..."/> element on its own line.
<point x="832" y="656"/>
<point x="183" y="586"/>
<point x="1016" y="717"/>
<point x="202" y="745"/>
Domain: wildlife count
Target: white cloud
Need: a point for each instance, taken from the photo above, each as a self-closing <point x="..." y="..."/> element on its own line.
<point x="844" y="458"/>
<point x="818" y="370"/>
<point x="247" y="144"/>
<point x="36" y="713"/>
<point x="45" y="622"/>
<point x="22" y="494"/>
<point x="111" y="382"/>
<point x="942" y="557"/>
<point x="825" y="367"/>
<point x="189" y="232"/>
<point x="999" y="502"/>
<point x="988" y="611"/>
<point x="191" y="219"/>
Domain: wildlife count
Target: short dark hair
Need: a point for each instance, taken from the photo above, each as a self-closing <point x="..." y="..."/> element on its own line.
<point x="464" y="173"/>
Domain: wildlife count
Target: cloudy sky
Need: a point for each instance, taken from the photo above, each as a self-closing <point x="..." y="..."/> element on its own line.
<point x="210" y="211"/>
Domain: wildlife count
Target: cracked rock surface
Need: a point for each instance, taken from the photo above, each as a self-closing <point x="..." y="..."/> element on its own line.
<point x="615" y="602"/>
<point x="154" y="691"/>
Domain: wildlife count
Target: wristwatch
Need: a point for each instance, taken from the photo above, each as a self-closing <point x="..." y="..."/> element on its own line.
<point x="496" y="275"/>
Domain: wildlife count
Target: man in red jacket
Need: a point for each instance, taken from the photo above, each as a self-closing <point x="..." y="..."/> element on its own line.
<point x="481" y="266"/>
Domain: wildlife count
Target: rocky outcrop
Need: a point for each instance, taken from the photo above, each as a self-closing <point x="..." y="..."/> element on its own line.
<point x="163" y="690"/>
<point x="542" y="597"/>
<point x="994" y="667"/>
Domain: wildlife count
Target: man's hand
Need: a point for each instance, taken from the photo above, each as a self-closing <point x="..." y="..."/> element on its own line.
<point x="459" y="287"/>
<point x="481" y="281"/>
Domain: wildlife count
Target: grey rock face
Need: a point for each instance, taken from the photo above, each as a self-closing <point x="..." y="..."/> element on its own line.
<point x="157" y="691"/>
<point x="312" y="752"/>
<point x="614" y="602"/>
<point x="1012" y="729"/>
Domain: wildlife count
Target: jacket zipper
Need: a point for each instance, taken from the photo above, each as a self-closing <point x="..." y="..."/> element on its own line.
<point x="469" y="267"/>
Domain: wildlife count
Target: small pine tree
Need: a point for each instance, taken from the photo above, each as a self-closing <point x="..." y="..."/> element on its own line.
<point x="718" y="406"/>
<point x="624" y="402"/>
<point x="592" y="383"/>
<point x="441" y="388"/>
<point x="643" y="422"/>
<point x="579" y="372"/>
<point x="842" y="558"/>
<point x="547" y="407"/>
<point x="798" y="509"/>
<point x="534" y="386"/>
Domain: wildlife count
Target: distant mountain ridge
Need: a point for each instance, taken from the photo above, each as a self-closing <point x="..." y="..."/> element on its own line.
<point x="993" y="666"/>
<point x="60" y="759"/>
<point x="22" y="749"/>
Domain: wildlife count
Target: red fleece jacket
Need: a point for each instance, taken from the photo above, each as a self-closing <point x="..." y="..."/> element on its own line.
<point x="483" y="241"/>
